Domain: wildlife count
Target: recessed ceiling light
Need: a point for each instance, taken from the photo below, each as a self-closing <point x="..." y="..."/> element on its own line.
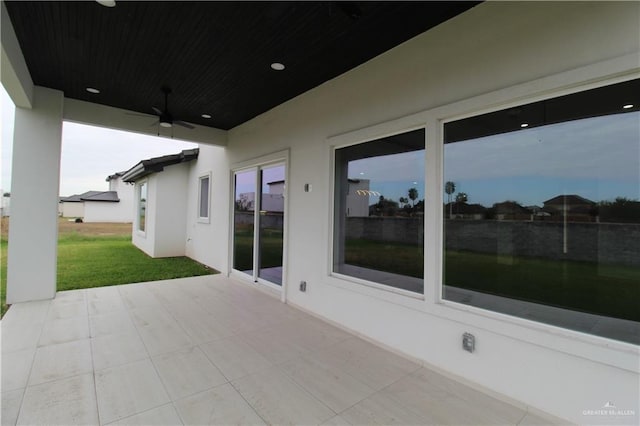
<point x="627" y="106"/>
<point x="107" y="3"/>
<point x="205" y="116"/>
<point x="523" y="125"/>
<point x="361" y="173"/>
<point x="92" y="90"/>
<point x="415" y="183"/>
<point x="277" y="66"/>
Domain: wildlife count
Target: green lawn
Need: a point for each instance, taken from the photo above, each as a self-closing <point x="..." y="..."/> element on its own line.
<point x="271" y="248"/>
<point x="403" y="259"/>
<point x="609" y="290"/>
<point x="95" y="261"/>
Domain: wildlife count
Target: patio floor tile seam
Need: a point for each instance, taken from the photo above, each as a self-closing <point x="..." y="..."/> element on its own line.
<point x="308" y="394"/>
<point x="34" y="348"/>
<point x="95" y="387"/>
<point x="24" y="391"/>
<point x="310" y="391"/>
<point x="381" y="392"/>
<point x="245" y="400"/>
<point x="114" y="422"/>
<point x="33" y="360"/>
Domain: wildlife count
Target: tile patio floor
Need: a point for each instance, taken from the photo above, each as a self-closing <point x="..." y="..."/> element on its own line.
<point x="210" y="350"/>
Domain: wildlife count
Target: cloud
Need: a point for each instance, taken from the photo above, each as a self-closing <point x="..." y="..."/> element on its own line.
<point x="403" y="167"/>
<point x="90" y="154"/>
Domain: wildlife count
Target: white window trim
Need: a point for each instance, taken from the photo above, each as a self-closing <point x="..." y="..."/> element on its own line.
<point x="599" y="349"/>
<point x="140" y="232"/>
<point x="202" y="219"/>
<point x="359" y="137"/>
<point x="283" y="157"/>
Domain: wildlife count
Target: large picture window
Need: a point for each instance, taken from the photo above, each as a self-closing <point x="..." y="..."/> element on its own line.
<point x="541" y="211"/>
<point x="379" y="211"/>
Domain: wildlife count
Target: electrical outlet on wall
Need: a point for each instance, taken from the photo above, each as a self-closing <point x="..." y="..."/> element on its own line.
<point x="468" y="342"/>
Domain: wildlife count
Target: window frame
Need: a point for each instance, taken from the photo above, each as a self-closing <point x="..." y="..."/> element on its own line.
<point x="204" y="219"/>
<point x="447" y="114"/>
<point x="566" y="83"/>
<point x="385" y="130"/>
<point x="433" y="117"/>
<point x="139" y="186"/>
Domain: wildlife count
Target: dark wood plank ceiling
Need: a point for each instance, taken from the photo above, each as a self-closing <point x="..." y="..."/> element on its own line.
<point x="215" y="56"/>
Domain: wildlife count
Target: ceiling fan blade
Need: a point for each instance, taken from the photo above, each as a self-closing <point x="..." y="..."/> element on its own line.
<point x="157" y="110"/>
<point x="183" y="124"/>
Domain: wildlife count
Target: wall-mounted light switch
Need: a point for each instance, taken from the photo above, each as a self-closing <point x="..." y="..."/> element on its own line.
<point x="303" y="286"/>
<point x="307" y="187"/>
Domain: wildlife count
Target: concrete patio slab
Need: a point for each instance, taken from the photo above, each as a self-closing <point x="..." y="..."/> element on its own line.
<point x="213" y="350"/>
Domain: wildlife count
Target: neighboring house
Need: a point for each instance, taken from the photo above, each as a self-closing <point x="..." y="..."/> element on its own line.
<point x="461" y="210"/>
<point x="115" y="205"/>
<point x="73" y="206"/>
<point x="510" y="210"/>
<point x="161" y="199"/>
<point x="574" y="207"/>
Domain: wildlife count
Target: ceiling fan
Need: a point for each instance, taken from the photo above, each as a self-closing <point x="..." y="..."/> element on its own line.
<point x="165" y="119"/>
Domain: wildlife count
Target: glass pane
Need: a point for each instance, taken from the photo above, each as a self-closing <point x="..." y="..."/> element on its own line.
<point x="542" y="217"/>
<point x="272" y="182"/>
<point x="142" y="207"/>
<point x="204" y="197"/>
<point x="243" y="219"/>
<point x="379" y="215"/>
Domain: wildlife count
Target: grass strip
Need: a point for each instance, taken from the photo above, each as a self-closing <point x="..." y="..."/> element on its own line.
<point x="86" y="261"/>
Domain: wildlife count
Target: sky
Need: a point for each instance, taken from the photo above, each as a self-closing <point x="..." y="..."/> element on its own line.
<point x="246" y="181"/>
<point x="89" y="154"/>
<point x="596" y="158"/>
<point x="391" y="175"/>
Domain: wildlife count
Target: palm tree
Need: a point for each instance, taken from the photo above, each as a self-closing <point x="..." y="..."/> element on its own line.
<point x="413" y="196"/>
<point x="449" y="188"/>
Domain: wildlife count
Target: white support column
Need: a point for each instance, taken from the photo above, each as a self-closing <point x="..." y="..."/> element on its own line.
<point x="33" y="232"/>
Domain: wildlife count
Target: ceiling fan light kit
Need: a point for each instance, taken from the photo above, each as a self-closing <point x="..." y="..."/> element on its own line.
<point x="165" y="119"/>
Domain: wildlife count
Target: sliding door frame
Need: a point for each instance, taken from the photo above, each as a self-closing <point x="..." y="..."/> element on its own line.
<point x="257" y="165"/>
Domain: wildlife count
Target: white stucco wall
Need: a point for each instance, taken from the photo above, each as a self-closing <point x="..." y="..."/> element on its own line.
<point x="73" y="209"/>
<point x="120" y="212"/>
<point x="33" y="233"/>
<point x="207" y="242"/>
<point x="170" y="208"/>
<point x="98" y="211"/>
<point x="166" y="213"/>
<point x="504" y="52"/>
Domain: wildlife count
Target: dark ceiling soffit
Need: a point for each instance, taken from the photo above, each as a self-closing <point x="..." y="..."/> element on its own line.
<point x="157" y="164"/>
<point x="215" y="56"/>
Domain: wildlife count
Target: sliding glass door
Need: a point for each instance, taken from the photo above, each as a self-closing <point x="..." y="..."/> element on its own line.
<point x="243" y="221"/>
<point x="258" y="222"/>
